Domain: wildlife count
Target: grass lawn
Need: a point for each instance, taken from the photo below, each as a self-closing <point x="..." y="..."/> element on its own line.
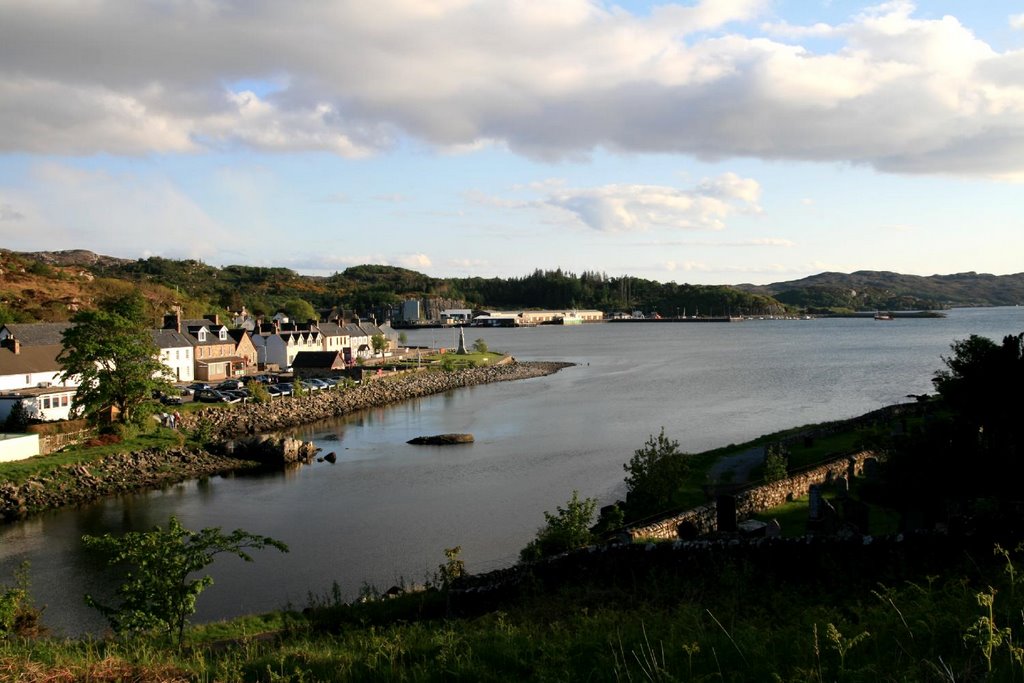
<point x="20" y="470"/>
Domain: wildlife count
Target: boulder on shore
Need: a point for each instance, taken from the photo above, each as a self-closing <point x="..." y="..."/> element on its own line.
<point x="441" y="439"/>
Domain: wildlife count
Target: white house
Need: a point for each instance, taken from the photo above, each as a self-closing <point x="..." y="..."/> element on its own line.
<point x="281" y="346"/>
<point x="176" y="353"/>
<point x="333" y="336"/>
<point x="31" y="375"/>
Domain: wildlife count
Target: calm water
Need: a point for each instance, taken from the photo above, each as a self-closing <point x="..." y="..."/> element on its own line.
<point x="386" y="510"/>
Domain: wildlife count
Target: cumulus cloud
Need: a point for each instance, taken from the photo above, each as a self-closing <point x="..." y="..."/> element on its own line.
<point x="551" y="80"/>
<point x="624" y="208"/>
<point x="414" y="261"/>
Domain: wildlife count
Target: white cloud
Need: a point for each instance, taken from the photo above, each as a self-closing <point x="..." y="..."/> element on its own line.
<point x="551" y="80"/>
<point x="1017" y="21"/>
<point x="414" y="261"/>
<point x="625" y="208"/>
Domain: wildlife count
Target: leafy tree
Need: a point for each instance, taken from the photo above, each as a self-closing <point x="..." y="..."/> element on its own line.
<point x="299" y="310"/>
<point x="157" y="593"/>
<point x="403" y="338"/>
<point x="567" y="529"/>
<point x="654" y="475"/>
<point x="113" y="354"/>
<point x="379" y="344"/>
<point x="480" y="346"/>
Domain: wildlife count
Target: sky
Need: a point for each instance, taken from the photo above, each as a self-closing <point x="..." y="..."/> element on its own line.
<point x="709" y="142"/>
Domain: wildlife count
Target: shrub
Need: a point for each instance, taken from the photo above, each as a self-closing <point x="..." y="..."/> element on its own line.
<point x="157" y="593"/>
<point x="567" y="529"/>
<point x="18" y="616"/>
<point x="654" y="475"/>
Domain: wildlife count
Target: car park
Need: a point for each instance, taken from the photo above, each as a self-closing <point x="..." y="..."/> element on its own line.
<point x="317" y="383"/>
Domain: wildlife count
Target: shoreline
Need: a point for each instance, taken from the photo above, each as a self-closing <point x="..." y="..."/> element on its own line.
<point x="281" y="414"/>
<point x="145" y="470"/>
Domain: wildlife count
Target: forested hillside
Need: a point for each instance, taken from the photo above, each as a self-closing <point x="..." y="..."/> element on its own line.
<point x="51" y="286"/>
<point x="867" y="290"/>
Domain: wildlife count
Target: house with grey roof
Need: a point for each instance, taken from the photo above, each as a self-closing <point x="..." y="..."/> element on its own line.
<point x="32" y="375"/>
<point x="176" y="353"/>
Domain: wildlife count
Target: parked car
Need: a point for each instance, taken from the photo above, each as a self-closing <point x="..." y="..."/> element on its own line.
<point x="318" y="383"/>
<point x="196" y="386"/>
<point x="284" y="387"/>
<point x="214" y="396"/>
<point x="229" y="385"/>
<point x="274" y="390"/>
<point x="170" y="400"/>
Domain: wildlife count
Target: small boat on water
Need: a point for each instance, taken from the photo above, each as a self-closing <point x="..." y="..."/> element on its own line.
<point x="882" y="316"/>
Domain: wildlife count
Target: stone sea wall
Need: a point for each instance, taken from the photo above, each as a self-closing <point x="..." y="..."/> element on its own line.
<point x="114" y="474"/>
<point x="286" y="412"/>
<point x="704" y="519"/>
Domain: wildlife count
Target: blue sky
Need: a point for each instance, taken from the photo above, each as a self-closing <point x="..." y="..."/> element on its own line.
<point x="716" y="142"/>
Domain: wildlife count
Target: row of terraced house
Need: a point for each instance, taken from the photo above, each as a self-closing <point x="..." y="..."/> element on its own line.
<point x="192" y="350"/>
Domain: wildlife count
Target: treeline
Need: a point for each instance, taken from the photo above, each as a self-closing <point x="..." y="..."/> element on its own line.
<point x="381" y="289"/>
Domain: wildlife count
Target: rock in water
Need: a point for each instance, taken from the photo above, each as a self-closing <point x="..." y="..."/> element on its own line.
<point x="441" y="439"/>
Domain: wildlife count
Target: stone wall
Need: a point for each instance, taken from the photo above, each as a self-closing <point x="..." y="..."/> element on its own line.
<point x="121" y="473"/>
<point x="704" y="519"/>
<point x="286" y="412"/>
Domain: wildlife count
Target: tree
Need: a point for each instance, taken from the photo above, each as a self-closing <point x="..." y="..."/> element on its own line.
<point x="157" y="593"/>
<point x="380" y="343"/>
<point x="567" y="529"/>
<point x="654" y="476"/>
<point x="111" y="352"/>
<point x="299" y="310"/>
<point x="480" y="346"/>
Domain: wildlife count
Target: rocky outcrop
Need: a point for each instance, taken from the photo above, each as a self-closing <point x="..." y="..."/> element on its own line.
<point x="114" y="474"/>
<point x="441" y="439"/>
<point x="271" y="450"/>
<point x="287" y="412"/>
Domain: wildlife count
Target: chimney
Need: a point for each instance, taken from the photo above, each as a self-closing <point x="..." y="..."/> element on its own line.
<point x="172" y="321"/>
<point x="12" y="343"/>
<point x="214" y="318"/>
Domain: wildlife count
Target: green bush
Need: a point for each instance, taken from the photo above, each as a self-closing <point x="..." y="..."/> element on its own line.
<point x="18" y="616"/>
<point x="157" y="593"/>
<point x="654" y="476"/>
<point x="567" y="529"/>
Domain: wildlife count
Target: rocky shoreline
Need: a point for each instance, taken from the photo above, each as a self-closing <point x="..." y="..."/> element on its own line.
<point x="112" y="475"/>
<point x="151" y="469"/>
<point x="291" y="412"/>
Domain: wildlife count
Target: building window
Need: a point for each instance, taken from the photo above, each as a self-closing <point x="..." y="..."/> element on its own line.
<point x="46" y="403"/>
<point x="64" y="401"/>
<point x="177" y="354"/>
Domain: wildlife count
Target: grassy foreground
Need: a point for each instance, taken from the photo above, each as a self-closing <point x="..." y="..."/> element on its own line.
<point x="729" y="622"/>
